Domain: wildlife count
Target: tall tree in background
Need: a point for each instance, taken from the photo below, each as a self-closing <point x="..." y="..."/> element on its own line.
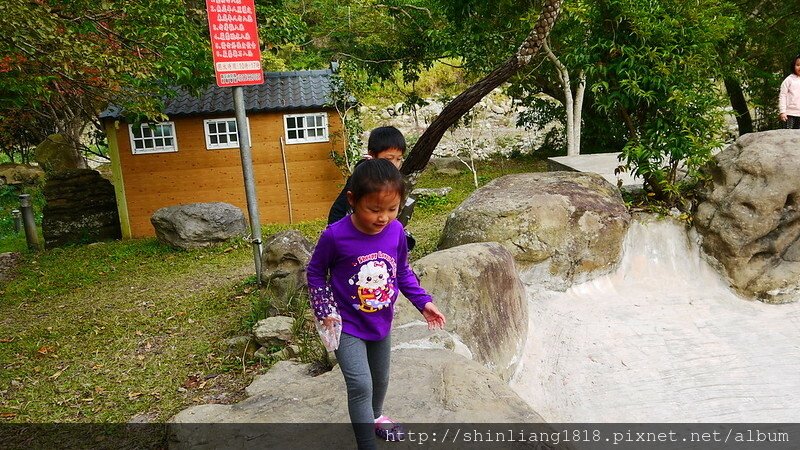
<point x="421" y="152"/>
<point x="755" y="59"/>
<point x="410" y="35"/>
<point x="61" y="61"/>
<point x="655" y="68"/>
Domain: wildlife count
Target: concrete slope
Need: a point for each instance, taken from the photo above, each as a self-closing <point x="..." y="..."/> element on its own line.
<point x="661" y="340"/>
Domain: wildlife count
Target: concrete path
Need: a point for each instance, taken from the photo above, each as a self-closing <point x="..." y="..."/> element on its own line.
<point x="661" y="340"/>
<point x="601" y="163"/>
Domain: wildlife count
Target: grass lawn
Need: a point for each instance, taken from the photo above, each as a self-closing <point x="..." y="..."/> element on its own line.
<point x="106" y="332"/>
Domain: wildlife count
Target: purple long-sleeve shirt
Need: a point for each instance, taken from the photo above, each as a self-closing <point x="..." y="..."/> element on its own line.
<point x="358" y="275"/>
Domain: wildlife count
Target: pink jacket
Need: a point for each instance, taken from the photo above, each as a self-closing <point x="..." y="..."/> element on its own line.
<point x="789" y="99"/>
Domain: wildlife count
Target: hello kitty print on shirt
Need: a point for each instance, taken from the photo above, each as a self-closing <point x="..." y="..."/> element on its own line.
<point x="375" y="286"/>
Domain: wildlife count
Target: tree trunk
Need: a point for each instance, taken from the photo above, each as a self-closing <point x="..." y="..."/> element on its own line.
<point x="578" y="116"/>
<point x="421" y="153"/>
<point x="739" y="105"/>
<point x="569" y="101"/>
<point x="572" y="104"/>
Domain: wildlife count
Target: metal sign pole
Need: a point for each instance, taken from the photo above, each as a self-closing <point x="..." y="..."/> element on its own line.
<point x="237" y="62"/>
<point x="249" y="179"/>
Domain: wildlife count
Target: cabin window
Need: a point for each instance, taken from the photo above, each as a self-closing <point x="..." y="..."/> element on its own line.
<point x="221" y="133"/>
<point x="153" y="138"/>
<point x="302" y="128"/>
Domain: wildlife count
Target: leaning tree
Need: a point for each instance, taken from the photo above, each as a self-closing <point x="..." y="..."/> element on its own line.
<point x="421" y="152"/>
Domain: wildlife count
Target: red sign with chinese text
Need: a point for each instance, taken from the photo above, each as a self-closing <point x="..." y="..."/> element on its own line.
<point x="234" y="42"/>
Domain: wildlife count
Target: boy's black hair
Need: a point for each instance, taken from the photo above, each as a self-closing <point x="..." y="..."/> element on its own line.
<point x="376" y="175"/>
<point x="384" y="138"/>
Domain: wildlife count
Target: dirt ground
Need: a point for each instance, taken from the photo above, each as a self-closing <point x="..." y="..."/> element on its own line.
<point x="8" y="265"/>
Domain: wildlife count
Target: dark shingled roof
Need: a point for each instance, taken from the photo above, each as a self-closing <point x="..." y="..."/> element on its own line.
<point x="281" y="91"/>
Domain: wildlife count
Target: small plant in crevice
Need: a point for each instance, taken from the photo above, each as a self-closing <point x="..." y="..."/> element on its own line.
<point x="640" y="201"/>
<point x="305" y="332"/>
<point x="261" y="303"/>
<point x="432" y="201"/>
<point x="295" y="305"/>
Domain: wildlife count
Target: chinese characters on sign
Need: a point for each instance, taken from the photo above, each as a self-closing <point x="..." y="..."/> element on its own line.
<point x="234" y="42"/>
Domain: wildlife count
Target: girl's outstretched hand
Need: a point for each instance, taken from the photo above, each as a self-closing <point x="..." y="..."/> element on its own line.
<point x="331" y="322"/>
<point x="433" y="316"/>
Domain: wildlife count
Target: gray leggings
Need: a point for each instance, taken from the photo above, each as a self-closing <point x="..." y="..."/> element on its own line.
<point x="365" y="365"/>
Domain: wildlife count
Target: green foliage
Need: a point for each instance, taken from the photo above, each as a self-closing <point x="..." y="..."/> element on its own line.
<point x="540" y="111"/>
<point x="347" y="84"/>
<point x="295" y="305"/>
<point x="9" y="201"/>
<point x="284" y="31"/>
<point x="757" y="54"/>
<point x="431" y="201"/>
<point x="654" y="64"/>
<point x="61" y="62"/>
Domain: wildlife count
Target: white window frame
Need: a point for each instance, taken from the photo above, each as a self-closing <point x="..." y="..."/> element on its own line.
<point x="155" y="148"/>
<point x="218" y="146"/>
<point x="304" y="129"/>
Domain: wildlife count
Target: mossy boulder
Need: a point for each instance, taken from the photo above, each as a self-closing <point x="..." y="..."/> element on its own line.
<point x="570" y="224"/>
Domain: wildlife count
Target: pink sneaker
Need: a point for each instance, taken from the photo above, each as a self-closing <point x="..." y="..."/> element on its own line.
<point x="389" y="430"/>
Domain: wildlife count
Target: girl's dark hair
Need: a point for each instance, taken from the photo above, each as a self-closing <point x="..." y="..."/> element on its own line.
<point x="794" y="61"/>
<point x="376" y="175"/>
<point x="384" y="138"/>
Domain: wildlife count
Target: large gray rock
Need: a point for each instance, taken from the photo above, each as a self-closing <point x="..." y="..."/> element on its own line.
<point x="283" y="263"/>
<point x="477" y="288"/>
<point x="56" y="154"/>
<point x="449" y="165"/>
<point x="80" y="208"/>
<point x="438" y="377"/>
<point x="573" y="222"/>
<point x="273" y="331"/>
<point x="427" y="386"/>
<point x="12" y="173"/>
<point x="749" y="220"/>
<point x="420" y="193"/>
<point x="198" y="224"/>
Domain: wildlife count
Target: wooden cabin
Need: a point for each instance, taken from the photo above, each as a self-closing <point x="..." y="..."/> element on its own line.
<point x="194" y="155"/>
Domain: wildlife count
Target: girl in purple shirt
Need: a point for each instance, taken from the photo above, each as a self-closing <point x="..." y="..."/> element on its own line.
<point x="358" y="266"/>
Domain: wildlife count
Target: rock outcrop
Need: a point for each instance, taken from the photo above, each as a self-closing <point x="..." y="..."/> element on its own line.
<point x="428" y="386"/>
<point x="573" y="222"/>
<point x="11" y="173"/>
<point x="56" y="154"/>
<point x="273" y="331"/>
<point x="198" y="224"/>
<point x="283" y="263"/>
<point x="436" y="377"/>
<point x="750" y="219"/>
<point x="477" y="288"/>
<point x="80" y="208"/>
<point x="450" y="165"/>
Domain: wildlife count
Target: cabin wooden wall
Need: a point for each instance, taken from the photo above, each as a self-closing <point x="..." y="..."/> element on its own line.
<point x="194" y="174"/>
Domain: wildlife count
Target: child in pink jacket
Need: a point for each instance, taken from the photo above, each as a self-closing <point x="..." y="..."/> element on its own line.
<point x="789" y="99"/>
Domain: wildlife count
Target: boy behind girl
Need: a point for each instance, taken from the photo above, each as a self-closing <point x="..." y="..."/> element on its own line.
<point x="384" y="143"/>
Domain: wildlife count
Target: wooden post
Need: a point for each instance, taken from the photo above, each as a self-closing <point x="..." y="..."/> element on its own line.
<point x="29" y="222"/>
